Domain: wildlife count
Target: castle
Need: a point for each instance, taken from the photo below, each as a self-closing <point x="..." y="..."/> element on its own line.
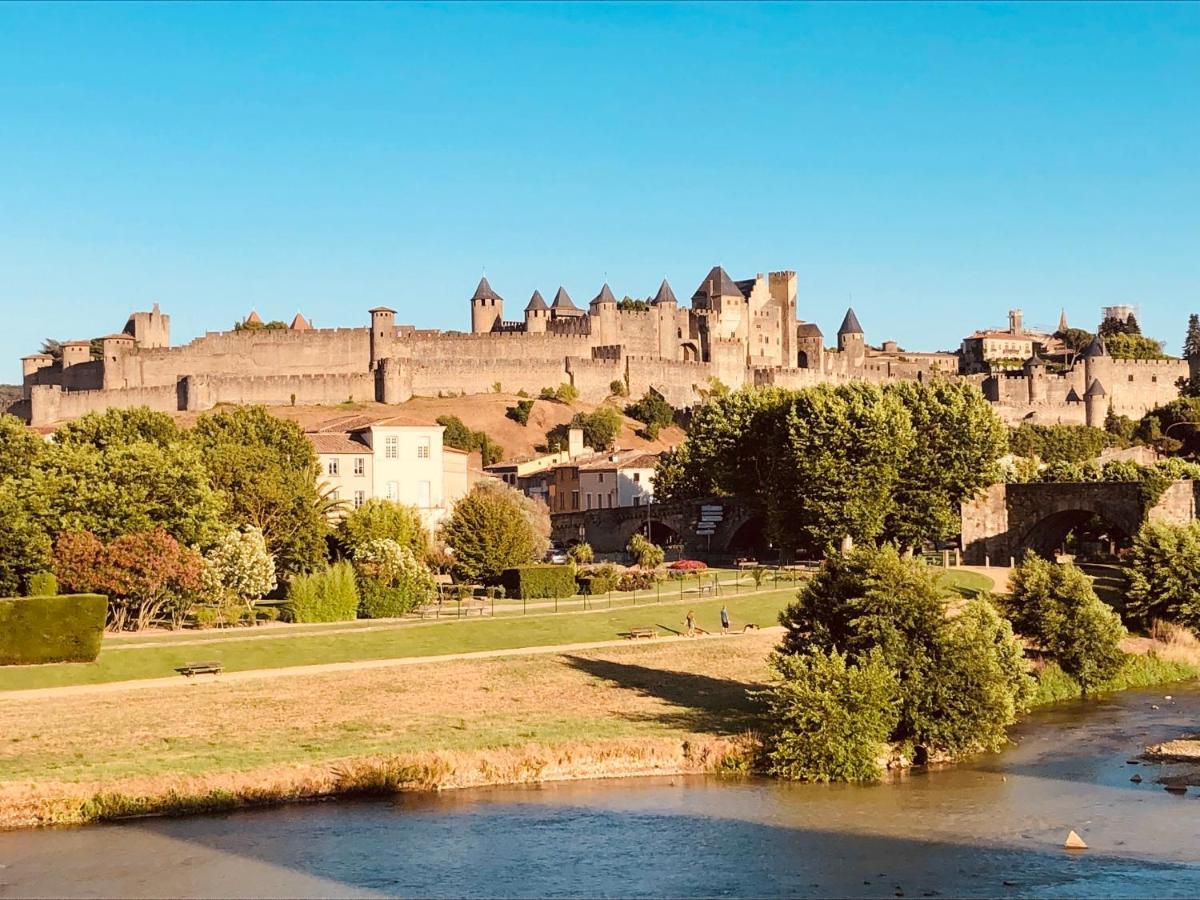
<point x="738" y="332"/>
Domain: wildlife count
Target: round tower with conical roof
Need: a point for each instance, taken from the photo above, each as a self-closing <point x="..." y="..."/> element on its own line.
<point x="851" y="340"/>
<point x="1097" y="365"/>
<point x="603" y="310"/>
<point x="487" y="308"/>
<point x="536" y="314"/>
<point x="666" y="309"/>
<point x="1035" y="377"/>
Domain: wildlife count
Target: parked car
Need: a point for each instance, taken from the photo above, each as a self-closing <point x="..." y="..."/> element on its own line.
<point x="557" y="554"/>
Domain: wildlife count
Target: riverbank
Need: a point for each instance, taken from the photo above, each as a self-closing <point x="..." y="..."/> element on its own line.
<point x="670" y="706"/>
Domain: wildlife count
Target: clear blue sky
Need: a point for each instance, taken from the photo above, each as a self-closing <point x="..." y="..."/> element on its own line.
<point x="938" y="163"/>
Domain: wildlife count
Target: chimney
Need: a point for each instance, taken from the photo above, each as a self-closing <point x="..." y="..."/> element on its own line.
<point x="575" y="443"/>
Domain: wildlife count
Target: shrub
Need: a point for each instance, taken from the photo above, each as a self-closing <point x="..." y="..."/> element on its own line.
<point x="600" y="580"/>
<point x="1055" y="605"/>
<point x="42" y="584"/>
<point x="539" y="581"/>
<point x="618" y="388"/>
<point x="644" y="553"/>
<point x="564" y="393"/>
<point x="460" y="437"/>
<point x="1164" y="575"/>
<point x="831" y="718"/>
<point x="652" y="410"/>
<point x="327" y="596"/>
<point x="637" y="581"/>
<point x="391" y="581"/>
<point x="688" y="565"/>
<point x="1059" y="443"/>
<point x="581" y="553"/>
<point x="61" y="628"/>
<point x="520" y="412"/>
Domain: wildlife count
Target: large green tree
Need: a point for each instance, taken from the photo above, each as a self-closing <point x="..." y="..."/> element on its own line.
<point x="1164" y="575"/>
<point x="957" y="443"/>
<point x="24" y="544"/>
<point x="378" y="519"/>
<point x="492" y="529"/>
<point x="119" y="427"/>
<point x="1191" y="341"/>
<point x="1134" y="346"/>
<point x="19" y="447"/>
<point x="266" y="470"/>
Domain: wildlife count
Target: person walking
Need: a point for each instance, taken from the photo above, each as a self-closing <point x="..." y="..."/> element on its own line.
<point x="690" y="621"/>
<point x="724" y="619"/>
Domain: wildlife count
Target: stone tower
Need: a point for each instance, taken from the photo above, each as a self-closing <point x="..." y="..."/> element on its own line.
<point x="810" y="347"/>
<point x="487" y="308"/>
<point x="603" y="310"/>
<point x="150" y="329"/>
<point x="1035" y="376"/>
<point x="383" y="327"/>
<point x="782" y="286"/>
<point x="1016" y="322"/>
<point x="851" y="340"/>
<point x="1097" y="365"/>
<point x="1095" y="402"/>
<point x="666" y="307"/>
<point x="536" y="314"/>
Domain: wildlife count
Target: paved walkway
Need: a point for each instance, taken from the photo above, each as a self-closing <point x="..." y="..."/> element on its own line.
<point x="200" y="681"/>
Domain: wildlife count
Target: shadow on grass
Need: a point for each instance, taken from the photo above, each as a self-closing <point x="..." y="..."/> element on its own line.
<point x="699" y="703"/>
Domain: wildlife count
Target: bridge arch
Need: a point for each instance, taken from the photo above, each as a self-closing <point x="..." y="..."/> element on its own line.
<point x="1048" y="535"/>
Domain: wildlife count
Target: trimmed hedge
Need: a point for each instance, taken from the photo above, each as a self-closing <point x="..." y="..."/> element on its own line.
<point x="538" y="582"/>
<point x="60" y="628"/>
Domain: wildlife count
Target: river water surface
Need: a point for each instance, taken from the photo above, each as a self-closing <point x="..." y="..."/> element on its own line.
<point x="991" y="827"/>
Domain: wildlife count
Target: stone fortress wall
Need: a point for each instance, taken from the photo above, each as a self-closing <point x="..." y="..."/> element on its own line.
<point x="740" y="333"/>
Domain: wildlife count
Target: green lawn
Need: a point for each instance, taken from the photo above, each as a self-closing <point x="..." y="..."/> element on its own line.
<point x="118" y="662"/>
<point x="964" y="584"/>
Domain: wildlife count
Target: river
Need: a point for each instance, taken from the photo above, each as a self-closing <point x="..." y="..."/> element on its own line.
<point x="990" y="827"/>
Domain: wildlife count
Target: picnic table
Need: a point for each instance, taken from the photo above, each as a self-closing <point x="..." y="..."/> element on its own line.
<point x="200" y="668"/>
<point x="635" y="633"/>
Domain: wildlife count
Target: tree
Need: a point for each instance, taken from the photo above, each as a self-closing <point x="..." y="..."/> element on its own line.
<point x="1134" y="346"/>
<point x="1075" y="339"/>
<point x="1113" y="325"/>
<point x="266" y="470"/>
<point x="959" y="685"/>
<point x="600" y="427"/>
<point x="1191" y="341"/>
<point x="146" y="575"/>
<point x="581" y="553"/>
<point x="1059" y="443"/>
<point x="460" y="437"/>
<point x="520" y="412"/>
<point x="830" y="718"/>
<point x="958" y="442"/>
<point x="1164" y="575"/>
<point x="120" y="427"/>
<point x="377" y="519"/>
<point x="24" y="546"/>
<point x="1056" y="606"/>
<point x="490" y="530"/>
<point x="122" y="489"/>
<point x="19" y="447"/>
<point x="652" y="410"/>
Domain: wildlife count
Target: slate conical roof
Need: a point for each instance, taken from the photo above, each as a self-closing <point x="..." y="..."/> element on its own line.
<point x="1062" y="321"/>
<point x="850" y="323"/>
<point x="253" y="318"/>
<point x="485" y="292"/>
<point x="1073" y="396"/>
<point x="1096" y="389"/>
<point x="605" y="296"/>
<point x="716" y="283"/>
<point x="536" y="302"/>
<point x="300" y="324"/>
<point x="1096" y="347"/>
<point x="665" y="294"/>
<point x="1035" y="361"/>
<point x="563" y="301"/>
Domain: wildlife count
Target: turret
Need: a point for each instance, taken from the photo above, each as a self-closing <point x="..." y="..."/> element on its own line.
<point x="603" y="310"/>
<point x="851" y="340"/>
<point x="782" y="286"/>
<point x="76" y="352"/>
<point x="383" y="328"/>
<point x="666" y="308"/>
<point x="487" y="308"/>
<point x="536" y="314"/>
<point x="1097" y="364"/>
<point x="563" y="306"/>
<point x="150" y="329"/>
<point x="115" y="347"/>
<point x="1095" y="402"/>
<point x="30" y="367"/>
<point x="810" y="347"/>
<point x="1035" y="376"/>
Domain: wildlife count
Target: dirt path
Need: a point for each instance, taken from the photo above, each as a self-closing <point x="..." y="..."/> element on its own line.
<point x="178" y="681"/>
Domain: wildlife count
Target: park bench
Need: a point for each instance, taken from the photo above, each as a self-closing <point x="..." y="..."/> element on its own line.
<point x="430" y="609"/>
<point x="635" y="633"/>
<point x="473" y="604"/>
<point x="200" y="668"/>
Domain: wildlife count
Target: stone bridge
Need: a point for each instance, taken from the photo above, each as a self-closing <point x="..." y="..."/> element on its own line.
<point x="1012" y="518"/>
<point x="739" y="528"/>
